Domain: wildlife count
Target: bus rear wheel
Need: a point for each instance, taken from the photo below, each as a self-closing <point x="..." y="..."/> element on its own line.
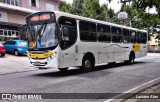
<point x="87" y="64"/>
<point x="63" y="69"/>
<point x="131" y="58"/>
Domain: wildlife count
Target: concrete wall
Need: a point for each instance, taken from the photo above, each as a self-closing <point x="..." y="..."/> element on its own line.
<point x="15" y="17"/>
<point x="19" y="17"/>
<point x="42" y="4"/>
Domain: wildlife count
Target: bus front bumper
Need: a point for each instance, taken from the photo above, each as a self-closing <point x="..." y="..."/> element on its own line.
<point x="44" y="63"/>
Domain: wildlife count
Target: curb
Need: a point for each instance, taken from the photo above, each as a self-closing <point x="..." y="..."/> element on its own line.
<point x="135" y="90"/>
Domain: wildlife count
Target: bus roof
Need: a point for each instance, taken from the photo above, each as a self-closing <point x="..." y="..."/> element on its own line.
<point x="96" y="21"/>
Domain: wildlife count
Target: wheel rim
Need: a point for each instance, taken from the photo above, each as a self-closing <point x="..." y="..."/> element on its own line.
<point x="16" y="53"/>
<point x="87" y="64"/>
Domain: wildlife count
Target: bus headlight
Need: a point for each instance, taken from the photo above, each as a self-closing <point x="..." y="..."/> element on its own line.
<point x="53" y="55"/>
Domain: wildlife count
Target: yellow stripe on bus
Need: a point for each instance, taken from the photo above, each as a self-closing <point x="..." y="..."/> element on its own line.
<point x="40" y="56"/>
<point x="136" y="47"/>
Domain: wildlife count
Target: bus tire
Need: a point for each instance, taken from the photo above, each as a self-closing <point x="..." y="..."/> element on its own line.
<point x="88" y="64"/>
<point x="131" y="58"/>
<point x="63" y="69"/>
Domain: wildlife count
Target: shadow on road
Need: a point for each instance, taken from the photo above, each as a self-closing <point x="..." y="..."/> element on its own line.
<point x="97" y="71"/>
<point x="20" y="55"/>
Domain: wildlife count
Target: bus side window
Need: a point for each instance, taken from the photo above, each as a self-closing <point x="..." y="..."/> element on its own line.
<point x="104" y="33"/>
<point x="116" y="34"/>
<point x="138" y="37"/>
<point x="88" y="31"/>
<point x="68" y="32"/>
<point x="144" y="38"/>
<point x="126" y="36"/>
<point x="133" y="36"/>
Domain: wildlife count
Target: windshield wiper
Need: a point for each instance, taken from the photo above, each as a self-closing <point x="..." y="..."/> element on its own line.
<point x="42" y="29"/>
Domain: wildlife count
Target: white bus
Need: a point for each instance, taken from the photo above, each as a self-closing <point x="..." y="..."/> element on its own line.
<point x="61" y="40"/>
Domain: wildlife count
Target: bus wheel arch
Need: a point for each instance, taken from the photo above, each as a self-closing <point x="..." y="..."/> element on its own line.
<point x="88" y="62"/>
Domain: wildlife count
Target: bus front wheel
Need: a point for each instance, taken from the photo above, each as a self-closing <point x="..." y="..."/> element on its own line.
<point x="87" y="64"/>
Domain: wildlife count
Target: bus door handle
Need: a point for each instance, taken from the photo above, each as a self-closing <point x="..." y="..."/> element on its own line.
<point x="76" y="49"/>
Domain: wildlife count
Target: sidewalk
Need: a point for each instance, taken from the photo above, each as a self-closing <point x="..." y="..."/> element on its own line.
<point x="14" y="64"/>
<point x="152" y="91"/>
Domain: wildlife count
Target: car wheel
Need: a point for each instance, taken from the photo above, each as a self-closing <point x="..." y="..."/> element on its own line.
<point x="3" y="54"/>
<point x="16" y="53"/>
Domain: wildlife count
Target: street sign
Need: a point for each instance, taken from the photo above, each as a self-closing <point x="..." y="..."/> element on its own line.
<point x="122" y="15"/>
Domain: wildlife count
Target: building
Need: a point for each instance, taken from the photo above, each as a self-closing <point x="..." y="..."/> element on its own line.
<point x="13" y="13"/>
<point x="154" y="44"/>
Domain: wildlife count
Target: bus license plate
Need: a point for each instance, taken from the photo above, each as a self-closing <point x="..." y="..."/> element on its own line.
<point x="37" y="63"/>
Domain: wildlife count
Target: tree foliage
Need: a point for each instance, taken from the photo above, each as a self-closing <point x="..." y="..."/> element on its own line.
<point x="88" y="8"/>
<point x="64" y="7"/>
<point x="92" y="9"/>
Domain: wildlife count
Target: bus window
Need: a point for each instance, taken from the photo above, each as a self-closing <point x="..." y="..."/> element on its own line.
<point x="119" y="31"/>
<point x="114" y="30"/>
<point x="138" y="37"/>
<point x="133" y="36"/>
<point x="126" y="36"/>
<point x="144" y="38"/>
<point x="88" y="31"/>
<point x="116" y="35"/>
<point x="104" y="33"/>
<point x="68" y="32"/>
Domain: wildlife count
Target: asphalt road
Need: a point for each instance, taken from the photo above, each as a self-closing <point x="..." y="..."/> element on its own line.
<point x="104" y="79"/>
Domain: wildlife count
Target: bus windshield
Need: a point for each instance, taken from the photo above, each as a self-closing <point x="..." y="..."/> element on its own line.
<point x="42" y="35"/>
<point x="41" y="29"/>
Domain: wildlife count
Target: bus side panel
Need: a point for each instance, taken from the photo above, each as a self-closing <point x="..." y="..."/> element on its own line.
<point x="68" y="57"/>
<point x="143" y="50"/>
<point x="118" y="52"/>
<point x="105" y="53"/>
<point x="91" y="47"/>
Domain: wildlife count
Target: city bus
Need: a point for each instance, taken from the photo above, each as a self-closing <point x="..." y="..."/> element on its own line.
<point x="61" y="40"/>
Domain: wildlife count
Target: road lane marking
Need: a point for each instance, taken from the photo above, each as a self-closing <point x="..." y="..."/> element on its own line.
<point x="138" y="89"/>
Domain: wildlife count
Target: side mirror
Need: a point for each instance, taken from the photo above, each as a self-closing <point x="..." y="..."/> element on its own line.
<point x="65" y="33"/>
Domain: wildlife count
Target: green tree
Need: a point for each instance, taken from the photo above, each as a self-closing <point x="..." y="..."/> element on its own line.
<point x="88" y="8"/>
<point x="91" y="9"/>
<point x="78" y="7"/>
<point x="64" y="7"/>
